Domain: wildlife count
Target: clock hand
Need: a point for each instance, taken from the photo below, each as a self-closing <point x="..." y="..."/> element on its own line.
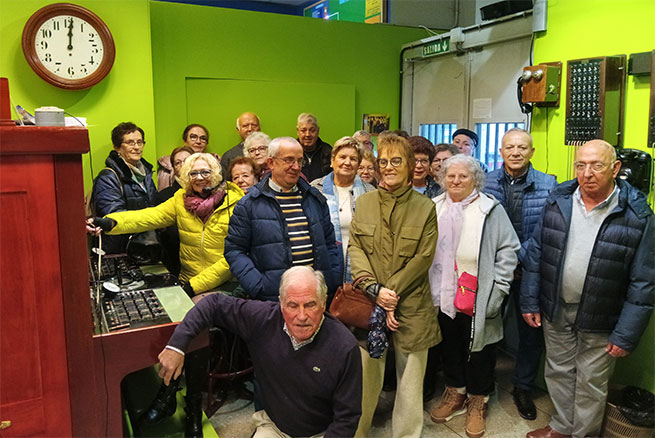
<point x="70" y="35"/>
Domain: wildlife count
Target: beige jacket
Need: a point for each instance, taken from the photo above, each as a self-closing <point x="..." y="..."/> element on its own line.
<point x="393" y="236"/>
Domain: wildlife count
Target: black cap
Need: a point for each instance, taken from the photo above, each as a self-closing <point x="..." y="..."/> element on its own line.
<point x="470" y="134"/>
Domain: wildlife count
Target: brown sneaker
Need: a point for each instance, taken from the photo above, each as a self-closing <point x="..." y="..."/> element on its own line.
<point x="452" y="404"/>
<point x="476" y="410"/>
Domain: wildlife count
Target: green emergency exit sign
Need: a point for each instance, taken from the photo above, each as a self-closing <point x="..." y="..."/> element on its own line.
<point x="436" y="47"/>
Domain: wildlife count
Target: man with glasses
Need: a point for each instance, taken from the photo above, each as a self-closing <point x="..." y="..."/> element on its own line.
<point x="589" y="279"/>
<point x="522" y="191"/>
<point x="317" y="154"/>
<point x="364" y="137"/>
<point x="282" y="222"/>
<point x="247" y="123"/>
<point x="125" y="183"/>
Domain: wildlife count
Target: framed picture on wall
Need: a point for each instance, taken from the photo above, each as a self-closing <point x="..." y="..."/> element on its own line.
<point x="375" y="123"/>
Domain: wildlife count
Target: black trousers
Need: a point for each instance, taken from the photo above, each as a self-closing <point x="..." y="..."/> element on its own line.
<point x="474" y="371"/>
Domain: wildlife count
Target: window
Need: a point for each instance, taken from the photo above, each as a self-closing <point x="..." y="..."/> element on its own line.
<point x="491" y="136"/>
<point x="438" y="132"/>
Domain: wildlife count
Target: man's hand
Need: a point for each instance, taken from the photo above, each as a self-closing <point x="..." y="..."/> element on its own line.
<point x="392" y="322"/>
<point x="532" y="319"/>
<point x="172" y="363"/>
<point x="387" y="299"/>
<point x="616" y="351"/>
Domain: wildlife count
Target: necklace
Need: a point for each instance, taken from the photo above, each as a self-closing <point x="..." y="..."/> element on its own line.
<point x="309" y="158"/>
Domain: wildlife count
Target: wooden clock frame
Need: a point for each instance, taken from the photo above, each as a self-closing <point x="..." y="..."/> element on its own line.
<point x="57" y="9"/>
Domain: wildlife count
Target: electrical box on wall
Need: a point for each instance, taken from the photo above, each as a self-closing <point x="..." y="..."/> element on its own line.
<point x="595" y="100"/>
<point x="541" y="84"/>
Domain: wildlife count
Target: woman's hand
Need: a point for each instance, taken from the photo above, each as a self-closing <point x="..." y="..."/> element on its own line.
<point x="96" y="225"/>
<point x="392" y="322"/>
<point x="387" y="299"/>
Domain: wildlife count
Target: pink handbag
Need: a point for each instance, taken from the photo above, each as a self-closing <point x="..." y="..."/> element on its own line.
<point x="467" y="286"/>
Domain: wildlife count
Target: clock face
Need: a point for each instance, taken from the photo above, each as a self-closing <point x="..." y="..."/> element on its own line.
<point x="69" y="47"/>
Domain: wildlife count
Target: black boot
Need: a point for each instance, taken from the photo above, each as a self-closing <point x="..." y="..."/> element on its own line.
<point x="163" y="406"/>
<point x="193" y="425"/>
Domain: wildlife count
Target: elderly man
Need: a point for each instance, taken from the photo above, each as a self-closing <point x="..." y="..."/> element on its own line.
<point x="589" y="278"/>
<point x="247" y="123"/>
<point x="317" y="154"/>
<point x="466" y="141"/>
<point x="307" y="363"/>
<point x="364" y="137"/>
<point x="522" y="191"/>
<point x="281" y="222"/>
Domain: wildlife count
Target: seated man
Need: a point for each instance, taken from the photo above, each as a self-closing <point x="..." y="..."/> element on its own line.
<point x="281" y="222"/>
<point x="307" y="363"/>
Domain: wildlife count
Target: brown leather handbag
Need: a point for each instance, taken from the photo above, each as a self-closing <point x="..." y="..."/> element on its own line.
<point x="351" y="305"/>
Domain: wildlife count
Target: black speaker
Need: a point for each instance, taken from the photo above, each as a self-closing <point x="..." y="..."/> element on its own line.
<point x="503" y="8"/>
<point x="635" y="168"/>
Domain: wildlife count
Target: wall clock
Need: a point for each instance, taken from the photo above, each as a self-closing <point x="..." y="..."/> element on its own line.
<point x="68" y="46"/>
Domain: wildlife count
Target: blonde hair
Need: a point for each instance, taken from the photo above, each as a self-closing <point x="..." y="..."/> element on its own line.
<point x="216" y="177"/>
<point x="390" y="143"/>
<point x="347" y="142"/>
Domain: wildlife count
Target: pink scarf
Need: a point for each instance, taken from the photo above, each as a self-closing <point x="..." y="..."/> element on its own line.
<point x="443" y="277"/>
<point x="203" y="207"/>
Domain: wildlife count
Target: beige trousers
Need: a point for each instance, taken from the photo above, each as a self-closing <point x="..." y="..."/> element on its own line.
<point x="267" y="429"/>
<point x="407" y="417"/>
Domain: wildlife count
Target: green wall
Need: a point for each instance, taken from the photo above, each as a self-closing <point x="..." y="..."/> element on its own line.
<point x="589" y="28"/>
<point x="125" y="94"/>
<point x="199" y="51"/>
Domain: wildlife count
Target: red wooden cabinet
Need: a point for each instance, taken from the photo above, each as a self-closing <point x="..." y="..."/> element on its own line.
<point x="45" y="317"/>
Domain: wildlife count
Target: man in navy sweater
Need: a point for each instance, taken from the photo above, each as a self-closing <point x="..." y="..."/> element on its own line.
<point x="306" y="362"/>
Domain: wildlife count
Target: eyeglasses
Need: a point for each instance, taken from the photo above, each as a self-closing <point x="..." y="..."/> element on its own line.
<point x="395" y="162"/>
<point x="366" y="169"/>
<point x="204" y="173"/>
<point x="423" y="161"/>
<point x="257" y="150"/>
<point x="290" y="160"/>
<point x="200" y="138"/>
<point x="596" y="166"/>
<point x="133" y="143"/>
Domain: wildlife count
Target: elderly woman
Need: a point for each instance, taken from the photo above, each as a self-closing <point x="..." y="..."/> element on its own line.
<point x="368" y="170"/>
<point x="392" y="239"/>
<point x="480" y="266"/>
<point x="423" y="155"/>
<point x="341" y="188"/>
<point x="126" y="181"/>
<point x="243" y="172"/>
<point x="256" y="147"/>
<point x="194" y="136"/>
<point x="202" y="211"/>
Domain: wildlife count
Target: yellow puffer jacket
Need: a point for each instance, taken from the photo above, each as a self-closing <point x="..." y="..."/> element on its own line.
<point x="201" y="245"/>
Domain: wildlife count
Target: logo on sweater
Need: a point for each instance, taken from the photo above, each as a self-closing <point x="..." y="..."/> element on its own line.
<point x="316" y="369"/>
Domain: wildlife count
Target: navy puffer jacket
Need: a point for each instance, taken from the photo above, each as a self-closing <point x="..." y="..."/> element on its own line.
<point x="258" y="248"/>
<point x="109" y="196"/>
<point x="619" y="289"/>
<point x="538" y="186"/>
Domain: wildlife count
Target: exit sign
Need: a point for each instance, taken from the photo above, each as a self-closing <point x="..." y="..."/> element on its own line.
<point x="436" y="47"/>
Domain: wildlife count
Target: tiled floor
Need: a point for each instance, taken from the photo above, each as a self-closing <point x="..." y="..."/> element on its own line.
<point x="233" y="420"/>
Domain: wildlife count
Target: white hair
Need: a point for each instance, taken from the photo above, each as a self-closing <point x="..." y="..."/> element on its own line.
<point x="307" y="117"/>
<point x="296" y="272"/>
<point x="361" y="132"/>
<point x="252" y="138"/>
<point x="274" y="145"/>
<point x="474" y="166"/>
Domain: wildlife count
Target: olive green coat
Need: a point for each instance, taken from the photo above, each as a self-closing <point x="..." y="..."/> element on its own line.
<point x="393" y="236"/>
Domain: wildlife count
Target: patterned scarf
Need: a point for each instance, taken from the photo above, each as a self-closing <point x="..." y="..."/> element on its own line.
<point x="203" y="206"/>
<point x="443" y="277"/>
